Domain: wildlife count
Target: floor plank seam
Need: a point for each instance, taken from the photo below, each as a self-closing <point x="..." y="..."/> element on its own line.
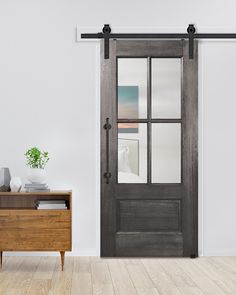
<point x="97" y="276"/>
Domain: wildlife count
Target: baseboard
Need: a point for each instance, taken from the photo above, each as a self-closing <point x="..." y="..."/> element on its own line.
<point x="81" y="252"/>
<point x="219" y="252"/>
<point x="94" y="252"/>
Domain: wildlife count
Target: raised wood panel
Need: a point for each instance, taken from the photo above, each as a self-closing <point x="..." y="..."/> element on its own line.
<point x="148" y="244"/>
<point x="148" y="215"/>
<point x="36" y="230"/>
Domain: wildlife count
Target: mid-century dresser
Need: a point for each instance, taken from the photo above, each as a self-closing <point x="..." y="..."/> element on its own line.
<point x="24" y="228"/>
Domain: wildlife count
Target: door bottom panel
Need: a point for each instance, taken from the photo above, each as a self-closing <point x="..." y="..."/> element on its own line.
<point x="149" y="244"/>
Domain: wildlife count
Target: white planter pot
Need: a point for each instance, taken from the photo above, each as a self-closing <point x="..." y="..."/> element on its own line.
<point x="36" y="175"/>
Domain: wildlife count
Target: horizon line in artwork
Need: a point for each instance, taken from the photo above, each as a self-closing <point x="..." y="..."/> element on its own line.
<point x="128" y="103"/>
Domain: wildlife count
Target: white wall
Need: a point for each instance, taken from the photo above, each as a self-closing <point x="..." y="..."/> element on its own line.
<point x="49" y="97"/>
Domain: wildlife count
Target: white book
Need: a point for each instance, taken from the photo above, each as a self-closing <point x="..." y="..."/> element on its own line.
<point x="52" y="207"/>
<point x="36" y="185"/>
<point x="46" y="202"/>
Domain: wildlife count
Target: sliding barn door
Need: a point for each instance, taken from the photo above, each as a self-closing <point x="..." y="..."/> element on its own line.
<point x="149" y="149"/>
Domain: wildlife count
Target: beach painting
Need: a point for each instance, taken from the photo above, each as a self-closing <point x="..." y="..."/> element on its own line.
<point x="128" y="100"/>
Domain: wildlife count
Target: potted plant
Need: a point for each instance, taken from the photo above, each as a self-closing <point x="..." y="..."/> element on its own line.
<point x="36" y="160"/>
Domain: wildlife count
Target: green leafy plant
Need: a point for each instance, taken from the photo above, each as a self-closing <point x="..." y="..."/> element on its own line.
<point x="36" y="158"/>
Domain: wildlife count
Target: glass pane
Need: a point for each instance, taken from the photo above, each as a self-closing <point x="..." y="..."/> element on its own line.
<point x="132" y="153"/>
<point x="166" y="153"/>
<point x="132" y="88"/>
<point x="166" y="87"/>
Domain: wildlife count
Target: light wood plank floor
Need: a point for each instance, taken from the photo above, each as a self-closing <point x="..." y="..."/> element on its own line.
<point x="96" y="276"/>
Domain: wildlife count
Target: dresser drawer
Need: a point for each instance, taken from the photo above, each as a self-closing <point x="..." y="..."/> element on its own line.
<point x="35" y="230"/>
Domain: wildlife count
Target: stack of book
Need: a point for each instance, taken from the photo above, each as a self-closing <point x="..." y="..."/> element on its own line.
<point x="36" y="187"/>
<point x="51" y="205"/>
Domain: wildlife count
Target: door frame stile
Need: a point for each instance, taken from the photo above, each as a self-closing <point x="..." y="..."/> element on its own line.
<point x="190" y="150"/>
<point x="108" y="110"/>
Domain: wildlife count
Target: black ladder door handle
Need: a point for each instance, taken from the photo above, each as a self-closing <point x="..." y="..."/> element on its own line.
<point x="107" y="174"/>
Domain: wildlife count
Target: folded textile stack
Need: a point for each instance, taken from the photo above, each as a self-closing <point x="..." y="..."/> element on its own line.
<point x="51" y="205"/>
<point x="36" y="187"/>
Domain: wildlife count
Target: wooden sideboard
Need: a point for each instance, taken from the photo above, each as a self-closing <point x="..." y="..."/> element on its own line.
<point x="24" y="228"/>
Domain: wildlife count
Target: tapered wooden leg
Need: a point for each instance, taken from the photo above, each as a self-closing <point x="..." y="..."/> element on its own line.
<point x="62" y="259"/>
<point x="1" y="257"/>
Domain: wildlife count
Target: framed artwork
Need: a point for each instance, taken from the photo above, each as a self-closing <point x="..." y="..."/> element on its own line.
<point x="128" y="108"/>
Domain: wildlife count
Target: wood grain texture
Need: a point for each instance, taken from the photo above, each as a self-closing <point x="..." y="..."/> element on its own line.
<point x="51" y="193"/>
<point x="23" y="276"/>
<point x="27" y="200"/>
<point x="154" y="191"/>
<point x="190" y="150"/>
<point x="62" y="253"/>
<point x="108" y="110"/>
<point x="11" y="265"/>
<point x="93" y="276"/>
<point x="151" y="48"/>
<point x="149" y="215"/>
<point x="120" y="277"/>
<point x="81" y="277"/>
<point x="61" y="282"/>
<point x="35" y="230"/>
<point x="148" y="244"/>
<point x="127" y="228"/>
<point x="101" y="278"/>
<point x="204" y="283"/>
<point x="141" y="280"/>
<point x="29" y="229"/>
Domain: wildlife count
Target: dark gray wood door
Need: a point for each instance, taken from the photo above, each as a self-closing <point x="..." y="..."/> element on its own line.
<point x="149" y="166"/>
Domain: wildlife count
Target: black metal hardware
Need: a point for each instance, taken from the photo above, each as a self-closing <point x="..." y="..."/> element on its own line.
<point x="107" y="127"/>
<point x="106" y="31"/>
<point x="191" y="30"/>
<point x="193" y="256"/>
<point x="191" y="35"/>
